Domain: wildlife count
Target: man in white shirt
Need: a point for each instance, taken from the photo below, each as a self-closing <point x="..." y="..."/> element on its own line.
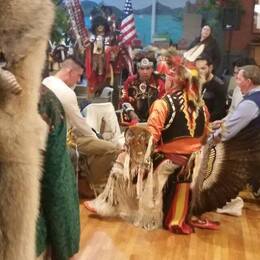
<point x="100" y="154"/>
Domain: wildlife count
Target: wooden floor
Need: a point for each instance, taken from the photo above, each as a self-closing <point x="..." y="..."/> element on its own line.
<point x="113" y="239"/>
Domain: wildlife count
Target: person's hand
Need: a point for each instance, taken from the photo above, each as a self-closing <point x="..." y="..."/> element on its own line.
<point x="124" y="93"/>
<point x="216" y="124"/>
<point x="131" y="99"/>
<point x="133" y="116"/>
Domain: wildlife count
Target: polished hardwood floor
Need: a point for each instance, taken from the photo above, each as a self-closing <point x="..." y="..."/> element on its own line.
<point x="114" y="239"/>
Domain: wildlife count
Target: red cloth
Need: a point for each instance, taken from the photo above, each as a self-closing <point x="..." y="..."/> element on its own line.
<point x="95" y="81"/>
<point x="178" y="159"/>
<point x="88" y="62"/>
<point x="175" y="220"/>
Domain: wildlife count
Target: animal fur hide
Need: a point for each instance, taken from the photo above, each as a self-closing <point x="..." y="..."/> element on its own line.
<point x="24" y="31"/>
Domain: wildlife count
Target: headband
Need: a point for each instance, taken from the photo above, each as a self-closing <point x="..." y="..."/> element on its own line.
<point x="144" y="63"/>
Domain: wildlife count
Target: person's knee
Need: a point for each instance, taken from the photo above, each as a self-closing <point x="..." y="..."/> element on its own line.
<point x="109" y="147"/>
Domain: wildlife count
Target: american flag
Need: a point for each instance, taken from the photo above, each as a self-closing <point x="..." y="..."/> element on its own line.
<point x="128" y="31"/>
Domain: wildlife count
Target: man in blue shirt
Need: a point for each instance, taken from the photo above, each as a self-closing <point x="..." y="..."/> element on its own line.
<point x="246" y="116"/>
<point x="248" y="79"/>
<point x="228" y="166"/>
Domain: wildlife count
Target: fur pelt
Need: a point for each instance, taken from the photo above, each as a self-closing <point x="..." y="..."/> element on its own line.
<point x="24" y="31"/>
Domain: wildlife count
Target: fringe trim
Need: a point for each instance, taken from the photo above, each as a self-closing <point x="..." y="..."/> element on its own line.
<point x="140" y="203"/>
<point x="126" y="168"/>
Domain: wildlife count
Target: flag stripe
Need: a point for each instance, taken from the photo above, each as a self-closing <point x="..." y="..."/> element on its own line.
<point x="127" y="28"/>
<point x="127" y="19"/>
<point x="132" y="22"/>
<point x="129" y="36"/>
<point x="130" y="33"/>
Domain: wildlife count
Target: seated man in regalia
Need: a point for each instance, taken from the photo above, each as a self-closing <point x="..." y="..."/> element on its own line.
<point x="142" y="89"/>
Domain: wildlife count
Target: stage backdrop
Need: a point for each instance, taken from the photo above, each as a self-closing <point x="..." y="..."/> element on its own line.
<point x="169" y="16"/>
